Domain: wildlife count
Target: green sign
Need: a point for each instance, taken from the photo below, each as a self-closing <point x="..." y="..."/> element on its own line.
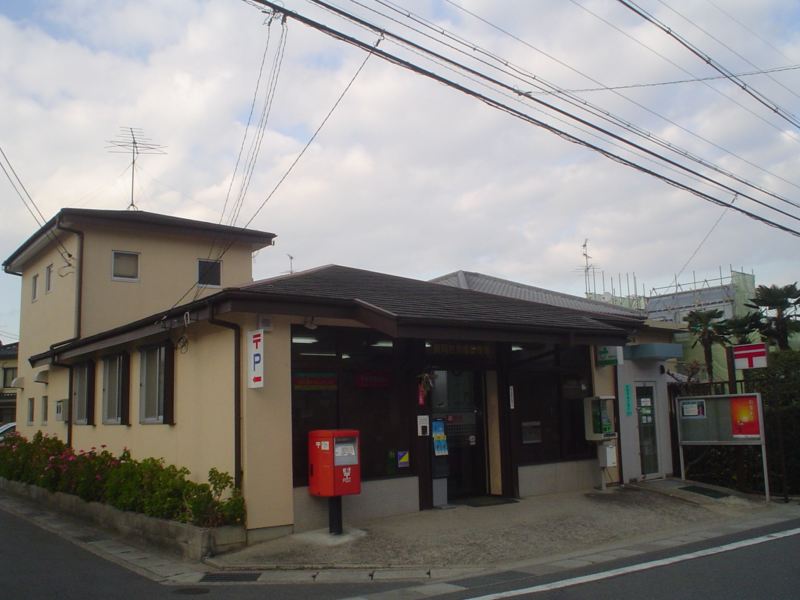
<point x="628" y="400"/>
<point x="607" y="356"/>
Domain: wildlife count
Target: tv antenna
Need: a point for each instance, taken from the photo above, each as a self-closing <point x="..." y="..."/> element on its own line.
<point x="133" y="140"/>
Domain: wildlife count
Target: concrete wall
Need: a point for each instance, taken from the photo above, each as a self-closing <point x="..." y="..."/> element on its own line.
<point x="380" y="498"/>
<point x="551" y="478"/>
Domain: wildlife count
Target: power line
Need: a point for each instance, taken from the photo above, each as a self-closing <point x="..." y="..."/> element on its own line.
<point x="724" y="45"/>
<point x="632" y="86"/>
<point x="28" y="202"/>
<point x="513" y="112"/>
<point x="758" y="96"/>
<point x="535" y="80"/>
<point x="291" y="167"/>
<point x="606" y="132"/>
<point x="705" y="83"/>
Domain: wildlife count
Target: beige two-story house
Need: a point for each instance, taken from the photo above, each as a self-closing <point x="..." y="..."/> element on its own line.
<point x="88" y="271"/>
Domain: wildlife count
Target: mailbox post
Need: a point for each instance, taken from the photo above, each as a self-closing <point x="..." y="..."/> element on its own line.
<point x="334" y="469"/>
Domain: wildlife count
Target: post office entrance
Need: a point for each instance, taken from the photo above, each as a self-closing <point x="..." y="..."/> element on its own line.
<point x="457" y="410"/>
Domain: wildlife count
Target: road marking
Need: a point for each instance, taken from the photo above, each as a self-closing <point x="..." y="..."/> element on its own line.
<point x="564" y="583"/>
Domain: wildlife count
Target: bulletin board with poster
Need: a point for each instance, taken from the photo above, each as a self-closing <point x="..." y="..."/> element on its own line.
<point x="729" y="420"/>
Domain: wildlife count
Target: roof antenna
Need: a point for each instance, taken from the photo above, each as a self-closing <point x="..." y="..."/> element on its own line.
<point x="291" y="263"/>
<point x="133" y="139"/>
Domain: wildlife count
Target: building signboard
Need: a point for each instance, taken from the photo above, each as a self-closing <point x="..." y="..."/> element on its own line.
<point x="255" y="358"/>
<point x="750" y="356"/>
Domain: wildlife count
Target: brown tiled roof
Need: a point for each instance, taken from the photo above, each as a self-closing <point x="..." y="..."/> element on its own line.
<point x="412" y="299"/>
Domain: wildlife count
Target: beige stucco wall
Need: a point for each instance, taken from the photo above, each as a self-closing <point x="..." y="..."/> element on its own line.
<point x="167" y="269"/>
<point x="203" y="434"/>
<point x="45" y="321"/>
<point x="267" y="429"/>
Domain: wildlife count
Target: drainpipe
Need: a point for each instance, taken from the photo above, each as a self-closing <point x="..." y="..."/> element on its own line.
<point x="78" y="317"/>
<point x="237" y="393"/>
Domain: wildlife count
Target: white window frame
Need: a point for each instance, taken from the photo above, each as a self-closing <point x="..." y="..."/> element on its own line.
<point x="6" y="379"/>
<point x="34" y="287"/>
<point x="48" y="278"/>
<point x="208" y="285"/>
<point x="114" y="277"/>
<point x="80" y="396"/>
<point x="112" y="395"/>
<point x="157" y="416"/>
<point x="44" y="410"/>
<point x="60" y="409"/>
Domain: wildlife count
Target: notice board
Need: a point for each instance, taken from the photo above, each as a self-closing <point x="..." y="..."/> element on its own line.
<point x="730" y="419"/>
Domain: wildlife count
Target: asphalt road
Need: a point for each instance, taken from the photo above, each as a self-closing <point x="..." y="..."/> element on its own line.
<point x="765" y="570"/>
<point x="35" y="563"/>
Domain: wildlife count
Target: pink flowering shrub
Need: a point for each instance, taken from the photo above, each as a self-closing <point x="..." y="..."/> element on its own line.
<point x="147" y="486"/>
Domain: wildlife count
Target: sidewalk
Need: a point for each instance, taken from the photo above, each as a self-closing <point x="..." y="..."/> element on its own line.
<point x="544" y="529"/>
<point x="539" y="535"/>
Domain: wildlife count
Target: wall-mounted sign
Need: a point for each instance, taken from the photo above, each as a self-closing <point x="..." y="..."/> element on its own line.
<point x="608" y="356"/>
<point x="439" y="438"/>
<point x="628" y="400"/>
<point x="255" y="358"/>
<point x="403" y="459"/>
<point x="750" y="356"/>
<point x="744" y="417"/>
<point x="693" y="409"/>
<point x="373" y="380"/>
<point x="314" y="382"/>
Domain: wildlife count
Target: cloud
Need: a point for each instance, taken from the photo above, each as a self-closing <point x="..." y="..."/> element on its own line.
<point x="408" y="176"/>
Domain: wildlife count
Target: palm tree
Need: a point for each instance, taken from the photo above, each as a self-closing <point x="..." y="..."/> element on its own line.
<point x="708" y="329"/>
<point x="740" y="328"/>
<point x="778" y="307"/>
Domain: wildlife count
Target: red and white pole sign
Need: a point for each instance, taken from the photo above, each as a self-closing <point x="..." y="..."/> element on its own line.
<point x="750" y="356"/>
<point x="255" y="358"/>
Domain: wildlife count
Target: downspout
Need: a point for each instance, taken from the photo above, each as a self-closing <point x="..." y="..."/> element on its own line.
<point x="78" y="316"/>
<point x="237" y="393"/>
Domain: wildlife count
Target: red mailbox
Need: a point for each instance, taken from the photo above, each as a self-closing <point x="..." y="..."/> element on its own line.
<point x="333" y="464"/>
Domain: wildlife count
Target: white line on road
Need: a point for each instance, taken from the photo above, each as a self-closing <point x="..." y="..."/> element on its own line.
<point x="564" y="583"/>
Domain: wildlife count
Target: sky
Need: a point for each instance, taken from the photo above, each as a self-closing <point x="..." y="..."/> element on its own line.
<point x="409" y="176"/>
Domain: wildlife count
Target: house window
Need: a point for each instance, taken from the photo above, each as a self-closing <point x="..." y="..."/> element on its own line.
<point x="34" y="287"/>
<point x="83" y="393"/>
<point x="44" y="410"/>
<point x="209" y="272"/>
<point x="30" y="411"/>
<point x="48" y="279"/>
<point x="9" y="375"/>
<point x="115" y="390"/>
<point x="155" y="384"/>
<point x="125" y="266"/>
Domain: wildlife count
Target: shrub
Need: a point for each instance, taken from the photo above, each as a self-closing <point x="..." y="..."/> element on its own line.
<point x="147" y="486"/>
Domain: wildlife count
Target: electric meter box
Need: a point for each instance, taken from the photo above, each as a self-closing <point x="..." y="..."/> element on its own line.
<point x="597" y="420"/>
<point x="333" y="462"/>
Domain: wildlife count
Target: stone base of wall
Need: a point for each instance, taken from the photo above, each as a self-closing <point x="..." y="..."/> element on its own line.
<point x="551" y="478"/>
<point x="187" y="540"/>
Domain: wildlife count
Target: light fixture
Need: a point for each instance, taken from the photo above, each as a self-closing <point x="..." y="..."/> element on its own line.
<point x="304" y="339"/>
<point x="516" y="348"/>
<point x="383" y="344"/>
<point x="309" y="323"/>
<point x="327" y="354"/>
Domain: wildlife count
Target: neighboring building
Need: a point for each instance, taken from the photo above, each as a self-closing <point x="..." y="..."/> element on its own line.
<point x="341" y="347"/>
<point x="728" y="294"/>
<point x="86" y="271"/>
<point x="639" y="381"/>
<point x="8" y="373"/>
